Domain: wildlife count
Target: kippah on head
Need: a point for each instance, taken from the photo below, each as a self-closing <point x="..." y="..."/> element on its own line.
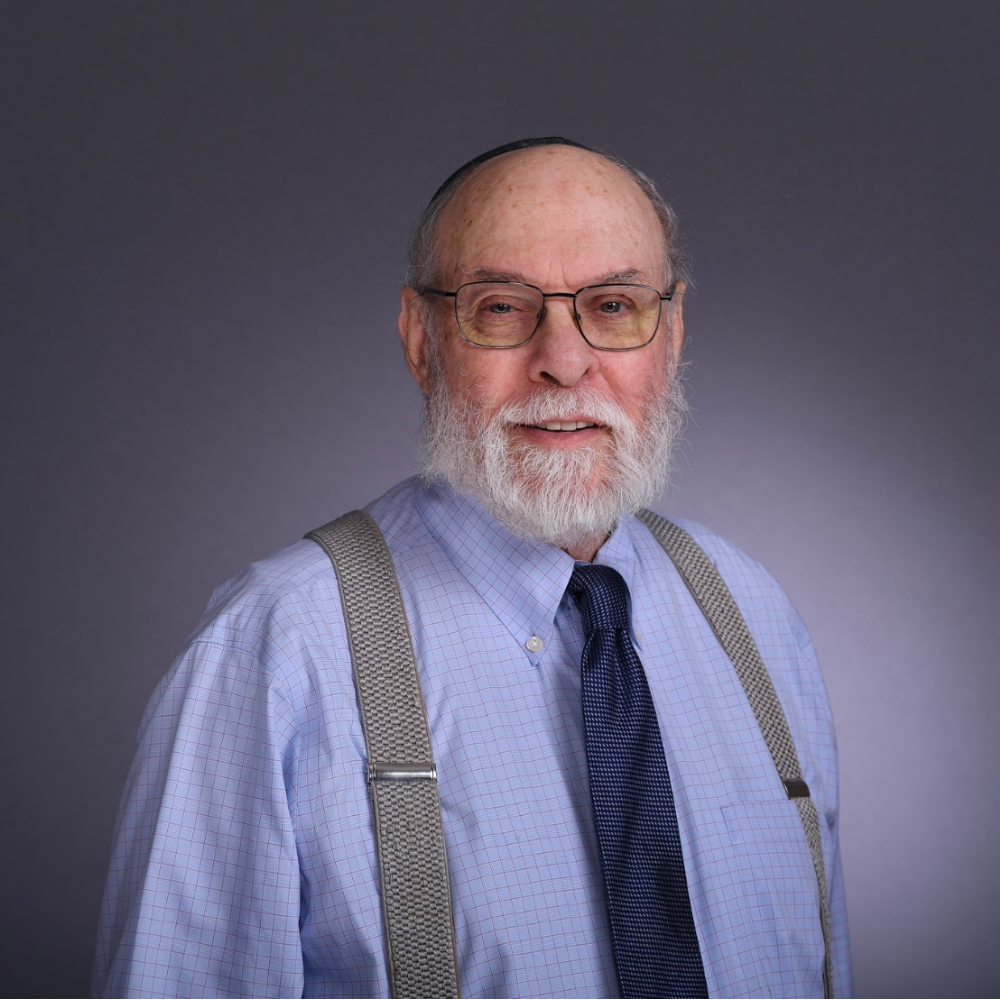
<point x="422" y="247"/>
<point x="508" y="147"/>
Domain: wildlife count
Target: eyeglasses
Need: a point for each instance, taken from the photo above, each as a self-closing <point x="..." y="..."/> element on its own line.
<point x="504" y="314"/>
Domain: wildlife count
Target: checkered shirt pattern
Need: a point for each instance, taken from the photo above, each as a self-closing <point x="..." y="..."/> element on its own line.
<point x="244" y="858"/>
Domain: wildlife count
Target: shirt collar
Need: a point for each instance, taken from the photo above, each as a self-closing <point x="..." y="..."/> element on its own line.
<point x="523" y="581"/>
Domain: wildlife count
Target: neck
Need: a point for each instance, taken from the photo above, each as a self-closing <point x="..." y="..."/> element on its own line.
<point x="585" y="550"/>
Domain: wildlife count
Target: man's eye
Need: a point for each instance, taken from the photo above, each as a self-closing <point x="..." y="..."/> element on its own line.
<point x="507" y="308"/>
<point x="614" y="307"/>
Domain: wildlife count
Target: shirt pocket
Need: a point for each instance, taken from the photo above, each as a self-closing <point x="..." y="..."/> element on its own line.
<point x="780" y="899"/>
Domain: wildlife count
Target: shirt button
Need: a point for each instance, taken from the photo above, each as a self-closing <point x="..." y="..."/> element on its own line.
<point x="535" y="644"/>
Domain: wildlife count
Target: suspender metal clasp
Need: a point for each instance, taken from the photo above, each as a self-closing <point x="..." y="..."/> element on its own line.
<point x="395" y="771"/>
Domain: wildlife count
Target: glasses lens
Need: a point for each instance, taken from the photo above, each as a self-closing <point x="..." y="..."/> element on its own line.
<point x="618" y="317"/>
<point x="498" y="314"/>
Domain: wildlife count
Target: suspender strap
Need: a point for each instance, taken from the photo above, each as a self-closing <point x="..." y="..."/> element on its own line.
<point x="402" y="779"/>
<point x="713" y="597"/>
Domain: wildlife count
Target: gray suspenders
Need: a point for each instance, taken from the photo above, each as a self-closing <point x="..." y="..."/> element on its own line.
<point x="402" y="778"/>
<point x="712" y="596"/>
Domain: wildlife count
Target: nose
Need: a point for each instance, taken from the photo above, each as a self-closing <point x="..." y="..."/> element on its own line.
<point x="559" y="354"/>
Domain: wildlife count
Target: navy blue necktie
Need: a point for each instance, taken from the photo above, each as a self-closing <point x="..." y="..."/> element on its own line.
<point x="652" y="930"/>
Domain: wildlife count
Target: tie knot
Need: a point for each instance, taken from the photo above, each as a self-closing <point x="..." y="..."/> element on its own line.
<point x="602" y="595"/>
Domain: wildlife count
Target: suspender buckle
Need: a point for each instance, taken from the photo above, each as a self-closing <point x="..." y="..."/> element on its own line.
<point x="396" y="771"/>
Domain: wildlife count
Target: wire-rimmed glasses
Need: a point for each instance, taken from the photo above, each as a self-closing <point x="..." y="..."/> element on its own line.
<point x="503" y="314"/>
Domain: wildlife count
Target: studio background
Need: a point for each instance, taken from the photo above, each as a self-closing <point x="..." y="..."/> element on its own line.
<point x="202" y="215"/>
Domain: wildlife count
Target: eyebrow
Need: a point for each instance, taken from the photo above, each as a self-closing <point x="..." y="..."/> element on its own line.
<point x="621" y="277"/>
<point x="485" y="274"/>
<point x="628" y="277"/>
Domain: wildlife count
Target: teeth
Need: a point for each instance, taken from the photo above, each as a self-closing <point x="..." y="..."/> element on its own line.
<point x="566" y="425"/>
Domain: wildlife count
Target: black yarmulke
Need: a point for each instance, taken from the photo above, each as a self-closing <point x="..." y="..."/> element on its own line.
<point x="509" y="147"/>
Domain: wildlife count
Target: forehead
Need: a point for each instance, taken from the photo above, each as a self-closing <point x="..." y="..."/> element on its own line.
<point x="551" y="212"/>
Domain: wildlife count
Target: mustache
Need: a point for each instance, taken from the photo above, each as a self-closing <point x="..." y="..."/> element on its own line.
<point x="551" y="403"/>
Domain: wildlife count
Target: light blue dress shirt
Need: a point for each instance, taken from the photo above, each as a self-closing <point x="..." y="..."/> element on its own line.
<point x="244" y="859"/>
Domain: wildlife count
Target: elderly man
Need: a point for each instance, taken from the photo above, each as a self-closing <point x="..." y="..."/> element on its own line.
<point x="622" y="789"/>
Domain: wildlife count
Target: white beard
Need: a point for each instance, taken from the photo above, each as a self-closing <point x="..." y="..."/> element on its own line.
<point x="563" y="496"/>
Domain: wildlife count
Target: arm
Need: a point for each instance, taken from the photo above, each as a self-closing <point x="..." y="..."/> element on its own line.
<point x="840" y="947"/>
<point x="203" y="892"/>
<point x="828" y="764"/>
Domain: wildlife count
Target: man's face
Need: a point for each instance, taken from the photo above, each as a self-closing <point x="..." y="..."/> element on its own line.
<point x="560" y="219"/>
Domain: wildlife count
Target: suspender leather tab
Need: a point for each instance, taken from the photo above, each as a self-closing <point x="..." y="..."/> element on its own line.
<point x="796" y="789"/>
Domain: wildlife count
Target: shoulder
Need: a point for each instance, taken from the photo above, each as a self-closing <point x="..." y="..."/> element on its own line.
<point x="785" y="647"/>
<point x="777" y="627"/>
<point x="295" y="590"/>
<point x="754" y="588"/>
<point x="735" y="565"/>
<point x="280" y="588"/>
<point x="272" y="635"/>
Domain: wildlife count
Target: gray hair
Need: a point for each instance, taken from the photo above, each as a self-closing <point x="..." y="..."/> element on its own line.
<point x="423" y="255"/>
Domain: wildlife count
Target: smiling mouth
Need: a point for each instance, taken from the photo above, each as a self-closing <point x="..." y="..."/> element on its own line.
<point x="563" y="425"/>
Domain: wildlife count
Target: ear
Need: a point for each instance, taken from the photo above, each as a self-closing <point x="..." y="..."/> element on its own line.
<point x="413" y="331"/>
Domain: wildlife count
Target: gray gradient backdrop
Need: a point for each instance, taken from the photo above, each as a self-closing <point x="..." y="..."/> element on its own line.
<point x="202" y="219"/>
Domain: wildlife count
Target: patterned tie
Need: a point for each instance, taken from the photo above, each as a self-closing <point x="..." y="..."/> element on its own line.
<point x="652" y="930"/>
